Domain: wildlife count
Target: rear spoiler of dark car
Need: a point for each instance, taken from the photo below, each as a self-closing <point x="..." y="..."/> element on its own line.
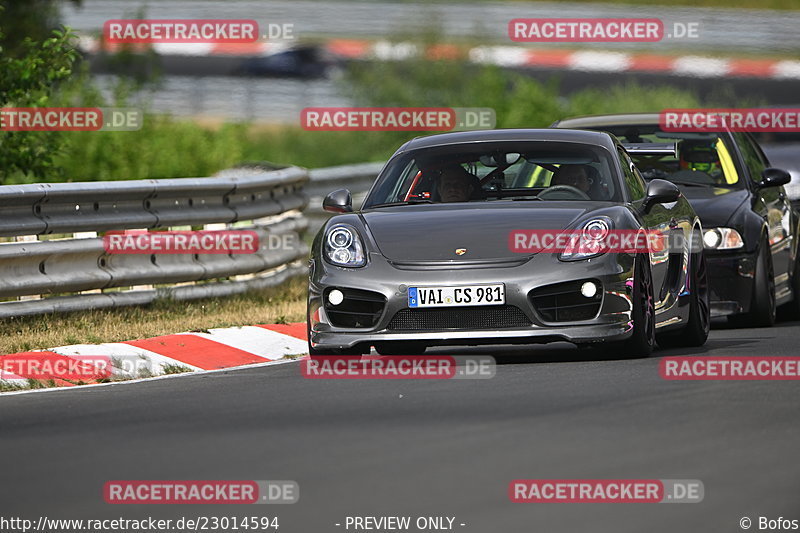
<point x="652" y="148"/>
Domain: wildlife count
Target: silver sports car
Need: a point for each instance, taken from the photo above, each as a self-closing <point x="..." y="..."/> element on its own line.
<point x="508" y="237"/>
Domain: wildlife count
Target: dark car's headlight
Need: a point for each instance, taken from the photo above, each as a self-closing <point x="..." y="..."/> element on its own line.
<point x="343" y="247"/>
<point x="722" y="239"/>
<point x="591" y="241"/>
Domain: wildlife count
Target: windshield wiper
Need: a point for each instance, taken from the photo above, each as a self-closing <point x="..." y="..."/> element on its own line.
<point x="522" y="198"/>
<point x="408" y="202"/>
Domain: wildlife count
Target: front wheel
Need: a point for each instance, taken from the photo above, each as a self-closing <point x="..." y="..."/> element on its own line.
<point x="695" y="332"/>
<point x="643" y="314"/>
<point x="762" y="304"/>
<point x="792" y="309"/>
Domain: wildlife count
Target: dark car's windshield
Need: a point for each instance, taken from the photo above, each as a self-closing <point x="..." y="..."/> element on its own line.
<point x="703" y="159"/>
<point x="486" y="172"/>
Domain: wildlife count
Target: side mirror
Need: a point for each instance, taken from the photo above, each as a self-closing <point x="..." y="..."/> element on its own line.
<point x="660" y="192"/>
<point x="339" y="201"/>
<point x="774" y="177"/>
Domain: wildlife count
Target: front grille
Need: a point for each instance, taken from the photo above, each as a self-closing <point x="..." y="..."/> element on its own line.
<point x="463" y="318"/>
<point x="359" y="309"/>
<point x="563" y="302"/>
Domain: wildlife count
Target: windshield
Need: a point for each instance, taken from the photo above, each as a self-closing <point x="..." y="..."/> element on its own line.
<point x="492" y="172"/>
<point x="702" y="159"/>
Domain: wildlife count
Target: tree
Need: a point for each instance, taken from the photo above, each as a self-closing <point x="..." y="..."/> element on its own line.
<point x="29" y="75"/>
<point x="32" y="19"/>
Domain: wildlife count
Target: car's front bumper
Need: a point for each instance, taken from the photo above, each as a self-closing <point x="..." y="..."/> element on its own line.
<point x="612" y="322"/>
<point x="730" y="278"/>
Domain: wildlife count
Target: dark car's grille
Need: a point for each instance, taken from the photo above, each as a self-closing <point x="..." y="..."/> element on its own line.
<point x="464" y="318"/>
<point x="360" y="309"/>
<point x="563" y="302"/>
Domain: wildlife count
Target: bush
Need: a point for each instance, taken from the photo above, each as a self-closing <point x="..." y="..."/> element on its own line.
<point x="167" y="147"/>
<point x="519" y="101"/>
<point x="30" y="80"/>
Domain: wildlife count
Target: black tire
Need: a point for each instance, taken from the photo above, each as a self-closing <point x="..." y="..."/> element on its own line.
<point x="400" y="348"/>
<point x="695" y="332"/>
<point x="643" y="339"/>
<point x="791" y="310"/>
<point x="762" y="303"/>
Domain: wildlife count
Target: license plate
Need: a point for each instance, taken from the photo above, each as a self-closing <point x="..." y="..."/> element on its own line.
<point x="462" y="295"/>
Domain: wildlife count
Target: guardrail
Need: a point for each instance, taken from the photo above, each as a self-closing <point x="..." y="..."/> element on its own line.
<point x="358" y="178"/>
<point x="56" y="260"/>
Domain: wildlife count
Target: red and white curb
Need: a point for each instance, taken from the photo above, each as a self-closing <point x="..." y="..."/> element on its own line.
<point x="216" y="349"/>
<point x="506" y="56"/>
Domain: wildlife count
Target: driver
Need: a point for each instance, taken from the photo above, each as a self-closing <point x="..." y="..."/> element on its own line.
<point x="575" y="176"/>
<point x="700" y="157"/>
<point x="456" y="184"/>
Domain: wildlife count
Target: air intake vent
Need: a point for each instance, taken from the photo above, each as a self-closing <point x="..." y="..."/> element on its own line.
<point x="460" y="318"/>
<point x="359" y="309"/>
<point x="563" y="302"/>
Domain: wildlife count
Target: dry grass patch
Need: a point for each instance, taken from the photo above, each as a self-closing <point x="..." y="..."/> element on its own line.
<point x="286" y="303"/>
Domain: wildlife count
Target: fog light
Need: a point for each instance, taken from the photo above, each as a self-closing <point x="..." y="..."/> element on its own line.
<point x="589" y="289"/>
<point x="335" y="297"/>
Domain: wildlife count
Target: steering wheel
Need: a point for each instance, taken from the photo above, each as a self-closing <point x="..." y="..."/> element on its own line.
<point x="563" y="189"/>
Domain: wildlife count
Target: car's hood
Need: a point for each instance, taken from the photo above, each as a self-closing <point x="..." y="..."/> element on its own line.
<point x="714" y="205"/>
<point x="434" y="232"/>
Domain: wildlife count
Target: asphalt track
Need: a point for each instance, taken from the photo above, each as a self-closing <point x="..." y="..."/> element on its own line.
<point x="424" y="448"/>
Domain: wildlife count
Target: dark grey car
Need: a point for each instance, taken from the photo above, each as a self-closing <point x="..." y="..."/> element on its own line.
<point x="420" y="266"/>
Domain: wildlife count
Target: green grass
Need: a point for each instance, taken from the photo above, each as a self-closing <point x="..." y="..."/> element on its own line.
<point x="176" y="369"/>
<point x="11" y="387"/>
<point x="167" y="148"/>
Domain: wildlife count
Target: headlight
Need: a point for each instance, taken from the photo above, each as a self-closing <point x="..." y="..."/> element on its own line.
<point x="590" y="242"/>
<point x="343" y="247"/>
<point x="722" y="239"/>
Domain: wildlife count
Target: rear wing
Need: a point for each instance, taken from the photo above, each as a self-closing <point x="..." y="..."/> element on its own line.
<point x="652" y="148"/>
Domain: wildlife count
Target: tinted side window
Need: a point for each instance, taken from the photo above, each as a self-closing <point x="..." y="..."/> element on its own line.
<point x="633" y="179"/>
<point x="751" y="154"/>
<point x="758" y="148"/>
